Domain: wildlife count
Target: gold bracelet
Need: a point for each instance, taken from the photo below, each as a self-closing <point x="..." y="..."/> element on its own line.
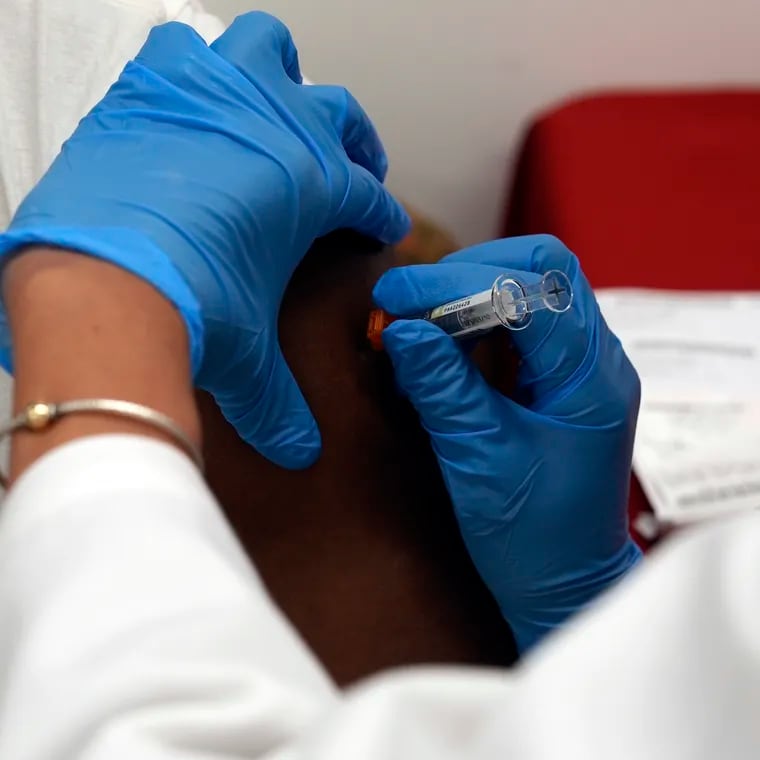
<point x="40" y="415"/>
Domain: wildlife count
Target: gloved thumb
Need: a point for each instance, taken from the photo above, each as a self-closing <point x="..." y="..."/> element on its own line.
<point x="268" y="410"/>
<point x="479" y="436"/>
<point x="446" y="388"/>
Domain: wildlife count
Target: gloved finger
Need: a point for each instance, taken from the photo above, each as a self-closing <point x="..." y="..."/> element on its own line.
<point x="532" y="253"/>
<point x="411" y="290"/>
<point x="444" y="386"/>
<point x="272" y="414"/>
<point x="256" y="40"/>
<point x="476" y="432"/>
<point x="369" y="208"/>
<point x="354" y="128"/>
<point x="168" y="50"/>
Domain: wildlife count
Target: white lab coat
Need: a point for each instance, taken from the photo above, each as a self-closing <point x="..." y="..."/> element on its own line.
<point x="133" y="628"/>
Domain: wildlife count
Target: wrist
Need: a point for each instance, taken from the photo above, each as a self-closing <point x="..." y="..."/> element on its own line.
<point x="84" y="328"/>
<point x="127" y="249"/>
<point x="550" y="606"/>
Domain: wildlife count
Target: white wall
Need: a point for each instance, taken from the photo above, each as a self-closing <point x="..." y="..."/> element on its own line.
<point x="451" y="85"/>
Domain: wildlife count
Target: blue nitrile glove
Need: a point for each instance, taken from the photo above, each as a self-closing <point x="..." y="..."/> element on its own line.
<point x="540" y="490"/>
<point x="209" y="172"/>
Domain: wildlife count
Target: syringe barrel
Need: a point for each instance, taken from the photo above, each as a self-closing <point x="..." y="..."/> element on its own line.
<point x="466" y="316"/>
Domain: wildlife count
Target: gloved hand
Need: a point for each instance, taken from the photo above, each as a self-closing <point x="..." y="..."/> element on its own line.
<point x="540" y="490"/>
<point x="209" y="172"/>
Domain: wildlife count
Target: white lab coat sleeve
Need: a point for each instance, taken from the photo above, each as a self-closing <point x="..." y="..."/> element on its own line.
<point x="133" y="627"/>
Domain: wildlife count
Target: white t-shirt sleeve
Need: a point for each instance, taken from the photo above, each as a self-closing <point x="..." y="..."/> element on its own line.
<point x="134" y="627"/>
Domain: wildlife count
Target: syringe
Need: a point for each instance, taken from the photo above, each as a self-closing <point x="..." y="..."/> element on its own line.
<point x="509" y="303"/>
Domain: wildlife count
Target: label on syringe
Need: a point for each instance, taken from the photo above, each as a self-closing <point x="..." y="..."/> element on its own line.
<point x="465" y="316"/>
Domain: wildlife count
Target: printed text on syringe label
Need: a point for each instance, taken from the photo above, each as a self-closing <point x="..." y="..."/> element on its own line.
<point x="465" y="316"/>
<point x="463" y="303"/>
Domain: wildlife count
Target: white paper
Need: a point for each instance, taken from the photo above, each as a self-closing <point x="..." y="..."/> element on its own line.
<point x="697" y="452"/>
